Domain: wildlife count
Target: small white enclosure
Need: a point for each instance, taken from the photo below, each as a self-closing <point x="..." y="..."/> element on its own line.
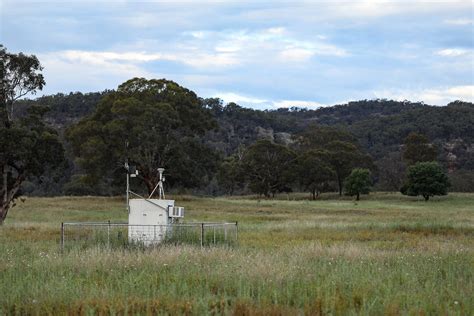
<point x="151" y="217"/>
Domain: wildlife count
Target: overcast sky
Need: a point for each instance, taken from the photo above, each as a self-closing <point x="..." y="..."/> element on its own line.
<point x="264" y="54"/>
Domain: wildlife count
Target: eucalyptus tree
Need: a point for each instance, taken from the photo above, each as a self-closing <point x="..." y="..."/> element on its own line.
<point x="268" y="167"/>
<point x="20" y="75"/>
<point x="343" y="152"/>
<point x="151" y="123"/>
<point x="28" y="147"/>
<point x="314" y="171"/>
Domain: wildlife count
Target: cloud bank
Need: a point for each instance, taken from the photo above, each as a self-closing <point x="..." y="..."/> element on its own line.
<point x="261" y="54"/>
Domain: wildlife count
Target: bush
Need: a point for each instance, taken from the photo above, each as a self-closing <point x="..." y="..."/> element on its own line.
<point x="358" y="182"/>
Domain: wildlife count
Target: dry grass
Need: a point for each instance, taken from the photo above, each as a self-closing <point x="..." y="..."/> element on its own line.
<point x="385" y="255"/>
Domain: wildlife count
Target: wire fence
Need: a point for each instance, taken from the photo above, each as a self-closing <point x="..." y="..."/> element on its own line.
<point x="122" y="235"/>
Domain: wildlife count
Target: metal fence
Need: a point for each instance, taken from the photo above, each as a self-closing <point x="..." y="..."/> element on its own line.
<point x="123" y="235"/>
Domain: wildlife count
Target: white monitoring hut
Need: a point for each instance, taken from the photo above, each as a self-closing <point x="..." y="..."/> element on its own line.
<point x="150" y="219"/>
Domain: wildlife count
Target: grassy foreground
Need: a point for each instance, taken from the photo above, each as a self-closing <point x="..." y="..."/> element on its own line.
<point x="387" y="254"/>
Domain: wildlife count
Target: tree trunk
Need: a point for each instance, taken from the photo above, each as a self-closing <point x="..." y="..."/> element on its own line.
<point x="3" y="212"/>
<point x="7" y="120"/>
<point x="9" y="195"/>
<point x="150" y="185"/>
<point x="427" y="197"/>
<point x="314" y="194"/>
<point x="5" y="184"/>
<point x="4" y="204"/>
<point x="357" y="196"/>
<point x="339" y="183"/>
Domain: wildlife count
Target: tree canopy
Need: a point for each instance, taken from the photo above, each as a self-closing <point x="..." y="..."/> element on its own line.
<point x="343" y="152"/>
<point x="376" y="127"/>
<point x="358" y="182"/>
<point x="28" y="147"/>
<point x="21" y="75"/>
<point x="426" y="179"/>
<point x="314" y="171"/>
<point x="150" y="123"/>
<point x="268" y="167"/>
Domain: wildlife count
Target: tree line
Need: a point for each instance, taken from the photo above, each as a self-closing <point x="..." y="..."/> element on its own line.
<point x="324" y="159"/>
<point x="202" y="144"/>
<point x="380" y="127"/>
<point x="157" y="123"/>
<point x="318" y="160"/>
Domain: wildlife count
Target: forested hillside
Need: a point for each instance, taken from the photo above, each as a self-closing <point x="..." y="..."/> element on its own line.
<point x="379" y="126"/>
<point x="64" y="108"/>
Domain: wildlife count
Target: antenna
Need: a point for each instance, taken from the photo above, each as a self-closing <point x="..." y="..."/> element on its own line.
<point x="127" y="168"/>
<point x="159" y="185"/>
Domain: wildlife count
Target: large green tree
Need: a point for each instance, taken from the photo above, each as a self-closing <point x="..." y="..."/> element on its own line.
<point x="343" y="152"/>
<point x="28" y="147"/>
<point x="152" y="123"/>
<point x="268" y="167"/>
<point x="426" y="179"/>
<point x="345" y="156"/>
<point x="313" y="171"/>
<point x="21" y="75"/>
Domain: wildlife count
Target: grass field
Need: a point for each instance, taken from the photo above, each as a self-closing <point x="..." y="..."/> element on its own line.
<point x="387" y="254"/>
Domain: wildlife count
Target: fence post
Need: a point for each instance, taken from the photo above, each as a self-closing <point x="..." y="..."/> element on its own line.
<point x="214" y="229"/>
<point x="202" y="235"/>
<point x="236" y="232"/>
<point x="108" y="234"/>
<point x="62" y="237"/>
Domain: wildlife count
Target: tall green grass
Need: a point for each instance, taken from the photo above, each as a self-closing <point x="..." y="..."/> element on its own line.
<point x="392" y="255"/>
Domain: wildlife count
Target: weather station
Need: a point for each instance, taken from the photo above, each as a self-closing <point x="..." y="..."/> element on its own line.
<point x="153" y="220"/>
<point x="149" y="218"/>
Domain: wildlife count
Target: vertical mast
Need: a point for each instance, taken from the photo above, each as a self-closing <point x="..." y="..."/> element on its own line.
<point x="161" y="192"/>
<point x="128" y="185"/>
<point x="127" y="167"/>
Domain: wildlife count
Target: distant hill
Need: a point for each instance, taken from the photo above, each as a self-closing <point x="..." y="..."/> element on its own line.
<point x="379" y="125"/>
<point x="65" y="109"/>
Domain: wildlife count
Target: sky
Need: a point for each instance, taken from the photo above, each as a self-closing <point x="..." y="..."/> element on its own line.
<point x="260" y="54"/>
